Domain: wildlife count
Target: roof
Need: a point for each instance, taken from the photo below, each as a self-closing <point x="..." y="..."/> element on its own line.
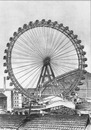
<point x="55" y="122"/>
<point x="10" y="121"/>
<point x="48" y="122"/>
<point x="2" y="95"/>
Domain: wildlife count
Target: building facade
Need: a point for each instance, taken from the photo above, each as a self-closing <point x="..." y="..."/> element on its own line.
<point x="17" y="99"/>
<point x="3" y="102"/>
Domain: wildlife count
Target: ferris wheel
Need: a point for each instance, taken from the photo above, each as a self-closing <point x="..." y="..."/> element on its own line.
<point x="43" y="55"/>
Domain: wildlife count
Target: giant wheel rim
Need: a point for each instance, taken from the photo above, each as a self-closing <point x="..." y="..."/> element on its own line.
<point x="36" y="41"/>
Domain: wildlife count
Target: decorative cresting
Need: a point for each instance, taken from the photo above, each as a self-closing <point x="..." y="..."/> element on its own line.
<point x="46" y="56"/>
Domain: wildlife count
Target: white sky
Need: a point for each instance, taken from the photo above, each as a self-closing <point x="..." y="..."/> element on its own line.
<point x="75" y="14"/>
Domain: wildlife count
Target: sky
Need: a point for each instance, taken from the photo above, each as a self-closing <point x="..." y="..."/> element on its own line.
<point x="75" y="14"/>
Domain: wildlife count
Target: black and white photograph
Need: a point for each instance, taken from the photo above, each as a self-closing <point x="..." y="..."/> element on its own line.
<point x="45" y="65"/>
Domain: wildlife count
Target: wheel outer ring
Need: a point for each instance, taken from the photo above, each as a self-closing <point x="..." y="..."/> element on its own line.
<point x="40" y="24"/>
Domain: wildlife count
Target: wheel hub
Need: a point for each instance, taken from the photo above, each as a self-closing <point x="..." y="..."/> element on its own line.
<point x="46" y="61"/>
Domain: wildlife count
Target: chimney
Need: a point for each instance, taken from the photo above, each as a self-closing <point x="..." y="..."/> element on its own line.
<point x="4" y="83"/>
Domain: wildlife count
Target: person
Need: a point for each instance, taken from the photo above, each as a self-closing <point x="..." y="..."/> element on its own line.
<point x="61" y="95"/>
<point x="30" y="108"/>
